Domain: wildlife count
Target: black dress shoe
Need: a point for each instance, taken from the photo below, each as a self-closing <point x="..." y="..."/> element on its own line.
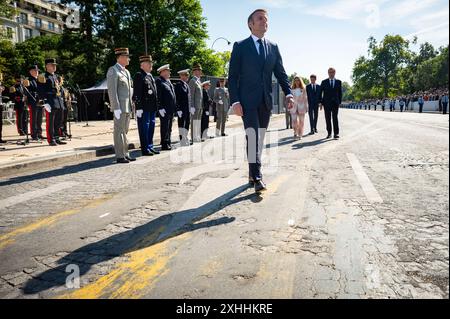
<point x="315" y="130"/>
<point x="130" y="159"/>
<point x="224" y="135"/>
<point x="166" y="148"/>
<point x="53" y="143"/>
<point x="122" y="161"/>
<point x="260" y="187"/>
<point x="328" y="136"/>
<point x="153" y="151"/>
<point x="311" y="133"/>
<point x="147" y="154"/>
<point x="60" y="142"/>
<point x="336" y="137"/>
<point x="251" y="181"/>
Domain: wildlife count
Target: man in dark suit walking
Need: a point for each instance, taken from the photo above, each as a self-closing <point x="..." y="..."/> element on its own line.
<point x="253" y="61"/>
<point x="331" y="99"/>
<point x="314" y="92"/>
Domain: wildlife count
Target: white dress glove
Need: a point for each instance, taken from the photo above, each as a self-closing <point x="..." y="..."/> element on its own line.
<point x="192" y="110"/>
<point x="117" y="114"/>
<point x="47" y="108"/>
<point x="139" y="113"/>
<point x="221" y="102"/>
<point x="207" y="113"/>
<point x="180" y="114"/>
<point x="162" y="112"/>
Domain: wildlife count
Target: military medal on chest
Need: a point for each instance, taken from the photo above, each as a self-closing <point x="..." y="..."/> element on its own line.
<point x="150" y="91"/>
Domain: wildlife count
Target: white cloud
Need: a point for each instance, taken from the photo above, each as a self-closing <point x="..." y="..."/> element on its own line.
<point x="280" y="4"/>
<point x="406" y="8"/>
<point x="344" y="9"/>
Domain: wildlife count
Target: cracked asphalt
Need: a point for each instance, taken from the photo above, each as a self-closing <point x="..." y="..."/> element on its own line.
<point x="167" y="227"/>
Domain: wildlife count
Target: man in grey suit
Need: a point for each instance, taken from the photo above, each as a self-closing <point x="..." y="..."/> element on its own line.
<point x="196" y="89"/>
<point x="120" y="92"/>
<point x="253" y="61"/>
<point x="222" y="100"/>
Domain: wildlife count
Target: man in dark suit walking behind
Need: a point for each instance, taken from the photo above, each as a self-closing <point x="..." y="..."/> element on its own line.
<point x="331" y="99"/>
<point x="314" y="92"/>
<point x="253" y="61"/>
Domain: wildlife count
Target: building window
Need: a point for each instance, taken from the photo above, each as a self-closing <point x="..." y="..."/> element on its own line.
<point x="51" y="26"/>
<point x="23" y="18"/>
<point x="28" y="33"/>
<point x="38" y="23"/>
<point x="9" y="32"/>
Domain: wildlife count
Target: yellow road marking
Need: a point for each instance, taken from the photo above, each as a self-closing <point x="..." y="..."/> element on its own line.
<point x="8" y="238"/>
<point x="131" y="279"/>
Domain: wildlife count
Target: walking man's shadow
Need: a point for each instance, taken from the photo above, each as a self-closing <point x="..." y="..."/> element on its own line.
<point x="156" y="231"/>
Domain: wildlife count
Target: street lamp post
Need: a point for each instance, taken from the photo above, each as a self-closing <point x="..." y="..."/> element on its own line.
<point x="228" y="42"/>
<point x="221" y="38"/>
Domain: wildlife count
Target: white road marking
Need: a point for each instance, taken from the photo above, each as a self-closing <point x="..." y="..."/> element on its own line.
<point x="366" y="185"/>
<point x="14" y="200"/>
<point x="104" y="215"/>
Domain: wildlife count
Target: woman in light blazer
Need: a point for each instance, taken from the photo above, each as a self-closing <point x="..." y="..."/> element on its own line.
<point x="300" y="107"/>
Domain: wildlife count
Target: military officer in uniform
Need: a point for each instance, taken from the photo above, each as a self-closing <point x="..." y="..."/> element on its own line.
<point x="65" y="112"/>
<point x="195" y="86"/>
<point x="49" y="89"/>
<point x="167" y="106"/>
<point x="183" y="95"/>
<point x="2" y="88"/>
<point x="35" y="108"/>
<point x="145" y="97"/>
<point x="207" y="103"/>
<point x="18" y="95"/>
<point x="222" y="100"/>
<point x="120" y="92"/>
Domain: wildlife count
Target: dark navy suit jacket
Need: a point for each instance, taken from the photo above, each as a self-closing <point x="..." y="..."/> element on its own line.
<point x="250" y="79"/>
<point x="331" y="97"/>
<point x="314" y="98"/>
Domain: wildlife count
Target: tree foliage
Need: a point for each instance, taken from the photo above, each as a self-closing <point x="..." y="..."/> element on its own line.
<point x="176" y="33"/>
<point x="391" y="68"/>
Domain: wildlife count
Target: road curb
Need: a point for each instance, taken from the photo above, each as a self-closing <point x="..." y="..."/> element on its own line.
<point x="50" y="161"/>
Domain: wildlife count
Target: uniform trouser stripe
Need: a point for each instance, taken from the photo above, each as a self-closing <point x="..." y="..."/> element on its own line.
<point x="30" y="111"/>
<point x="47" y="126"/>
<point x="17" y="121"/>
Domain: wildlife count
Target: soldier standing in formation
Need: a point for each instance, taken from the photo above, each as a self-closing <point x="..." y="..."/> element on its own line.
<point x="63" y="133"/>
<point x="49" y="89"/>
<point x="207" y="103"/>
<point x="183" y="95"/>
<point x="18" y="95"/>
<point x="195" y="86"/>
<point x="2" y="88"/>
<point x="145" y="97"/>
<point x="33" y="103"/>
<point x="222" y="100"/>
<point x="120" y="92"/>
<point x="167" y="106"/>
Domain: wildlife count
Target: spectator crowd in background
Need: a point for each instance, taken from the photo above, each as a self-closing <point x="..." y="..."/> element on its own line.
<point x="405" y="102"/>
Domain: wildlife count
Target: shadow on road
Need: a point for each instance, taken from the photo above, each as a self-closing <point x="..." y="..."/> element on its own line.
<point x="65" y="170"/>
<point x="154" y="232"/>
<point x="309" y="144"/>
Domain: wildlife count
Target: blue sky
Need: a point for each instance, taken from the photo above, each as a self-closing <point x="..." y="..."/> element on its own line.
<point x="314" y="35"/>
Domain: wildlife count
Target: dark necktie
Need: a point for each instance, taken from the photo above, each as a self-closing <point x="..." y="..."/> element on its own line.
<point x="262" y="53"/>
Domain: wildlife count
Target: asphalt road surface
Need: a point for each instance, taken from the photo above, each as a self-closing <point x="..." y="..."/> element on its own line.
<point x="365" y="216"/>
